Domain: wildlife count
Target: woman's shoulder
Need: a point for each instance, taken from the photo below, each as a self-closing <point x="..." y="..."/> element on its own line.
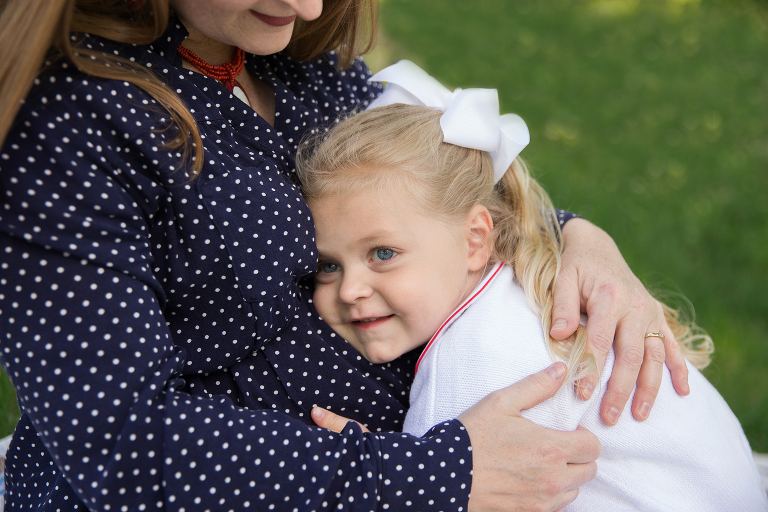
<point x="320" y="80"/>
<point x="62" y="94"/>
<point x="89" y="127"/>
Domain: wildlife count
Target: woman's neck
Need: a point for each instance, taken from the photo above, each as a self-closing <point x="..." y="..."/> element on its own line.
<point x="260" y="94"/>
<point x="211" y="51"/>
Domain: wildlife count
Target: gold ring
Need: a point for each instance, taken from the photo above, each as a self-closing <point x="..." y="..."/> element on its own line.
<point x="654" y="335"/>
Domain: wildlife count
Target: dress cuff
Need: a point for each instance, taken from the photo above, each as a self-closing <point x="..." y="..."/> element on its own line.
<point x="564" y="216"/>
<point x="433" y="472"/>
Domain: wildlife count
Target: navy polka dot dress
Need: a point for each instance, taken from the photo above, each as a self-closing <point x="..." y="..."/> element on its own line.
<point x="165" y="354"/>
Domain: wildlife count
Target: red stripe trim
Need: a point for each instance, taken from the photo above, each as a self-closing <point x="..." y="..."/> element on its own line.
<point x="453" y="315"/>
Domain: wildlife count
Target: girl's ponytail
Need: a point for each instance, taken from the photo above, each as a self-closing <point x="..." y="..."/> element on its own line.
<point x="527" y="236"/>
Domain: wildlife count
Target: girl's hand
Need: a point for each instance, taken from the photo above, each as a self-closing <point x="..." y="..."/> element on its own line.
<point x="595" y="278"/>
<point x="332" y="421"/>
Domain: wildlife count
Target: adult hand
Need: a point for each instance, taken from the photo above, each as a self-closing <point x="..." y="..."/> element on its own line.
<point x="518" y="465"/>
<point x="595" y="278"/>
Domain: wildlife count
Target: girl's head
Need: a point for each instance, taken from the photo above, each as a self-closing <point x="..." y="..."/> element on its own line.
<point x="406" y="224"/>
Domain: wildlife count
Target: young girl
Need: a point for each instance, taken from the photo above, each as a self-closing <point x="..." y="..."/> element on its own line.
<point x="425" y="241"/>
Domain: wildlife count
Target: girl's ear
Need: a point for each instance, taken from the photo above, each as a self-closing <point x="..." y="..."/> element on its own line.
<point x="478" y="229"/>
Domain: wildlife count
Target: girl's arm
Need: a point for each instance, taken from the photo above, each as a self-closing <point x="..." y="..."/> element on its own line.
<point x="594" y="278"/>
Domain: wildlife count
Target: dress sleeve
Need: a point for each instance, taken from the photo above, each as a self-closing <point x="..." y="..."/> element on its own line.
<point x="96" y="371"/>
<point x="564" y="216"/>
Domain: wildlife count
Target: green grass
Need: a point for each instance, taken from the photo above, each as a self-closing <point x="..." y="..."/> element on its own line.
<point x="648" y="118"/>
<point x="9" y="409"/>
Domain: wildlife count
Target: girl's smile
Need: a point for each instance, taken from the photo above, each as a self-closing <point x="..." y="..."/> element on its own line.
<point x="388" y="274"/>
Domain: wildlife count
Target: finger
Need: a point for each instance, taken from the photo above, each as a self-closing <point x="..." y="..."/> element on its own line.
<point x="535" y="388"/>
<point x="581" y="474"/>
<point x="567" y="498"/>
<point x="675" y="361"/>
<point x="629" y="350"/>
<point x="649" y="379"/>
<point x="326" y="419"/>
<point x="601" y="328"/>
<point x="586" y="446"/>
<point x="566" y="308"/>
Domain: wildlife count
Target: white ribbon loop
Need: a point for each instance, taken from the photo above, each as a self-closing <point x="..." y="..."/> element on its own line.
<point x="407" y="80"/>
<point x="471" y="116"/>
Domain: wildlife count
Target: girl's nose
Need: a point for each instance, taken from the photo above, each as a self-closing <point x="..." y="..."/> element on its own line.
<point x="306" y="9"/>
<point x="353" y="288"/>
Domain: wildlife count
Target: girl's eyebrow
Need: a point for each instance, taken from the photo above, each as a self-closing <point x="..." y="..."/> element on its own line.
<point x="376" y="236"/>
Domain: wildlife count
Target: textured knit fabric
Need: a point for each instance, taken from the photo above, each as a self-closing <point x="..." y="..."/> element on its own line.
<point x="164" y="352"/>
<point x="690" y="454"/>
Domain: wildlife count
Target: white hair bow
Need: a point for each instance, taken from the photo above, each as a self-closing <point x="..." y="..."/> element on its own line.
<point x="471" y="116"/>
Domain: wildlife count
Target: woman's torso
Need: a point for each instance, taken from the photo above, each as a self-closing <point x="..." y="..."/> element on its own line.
<point x="222" y="254"/>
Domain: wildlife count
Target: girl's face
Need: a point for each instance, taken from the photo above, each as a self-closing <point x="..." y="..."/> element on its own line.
<point x="389" y="275"/>
<point x="262" y="27"/>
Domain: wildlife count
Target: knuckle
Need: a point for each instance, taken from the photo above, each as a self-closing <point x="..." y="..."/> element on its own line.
<point x="550" y="456"/>
<point x="655" y="351"/>
<point x="592" y="470"/>
<point x="631" y="356"/>
<point x="642" y="305"/>
<point x="601" y="341"/>
<point x="500" y="399"/>
<point x="619" y="396"/>
<point x="552" y="486"/>
<point x="612" y="291"/>
<point x="638" y="299"/>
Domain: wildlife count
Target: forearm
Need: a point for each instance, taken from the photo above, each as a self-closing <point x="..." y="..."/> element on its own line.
<point x="103" y="393"/>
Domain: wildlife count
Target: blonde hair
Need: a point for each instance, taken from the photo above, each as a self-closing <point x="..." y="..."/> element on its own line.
<point x="400" y="147"/>
<point x="33" y="30"/>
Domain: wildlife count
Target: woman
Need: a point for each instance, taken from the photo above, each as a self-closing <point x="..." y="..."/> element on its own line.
<point x="163" y="352"/>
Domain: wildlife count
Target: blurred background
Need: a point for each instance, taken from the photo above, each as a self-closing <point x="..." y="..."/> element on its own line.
<point x="648" y="118"/>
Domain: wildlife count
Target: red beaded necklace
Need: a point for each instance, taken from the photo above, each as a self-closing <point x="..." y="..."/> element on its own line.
<point x="227" y="72"/>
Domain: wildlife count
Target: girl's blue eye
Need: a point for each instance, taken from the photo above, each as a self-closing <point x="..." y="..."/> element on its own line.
<point x="329" y="268"/>
<point x="383" y="254"/>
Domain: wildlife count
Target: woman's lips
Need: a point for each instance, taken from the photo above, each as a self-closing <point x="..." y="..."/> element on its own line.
<point x="275" y="21"/>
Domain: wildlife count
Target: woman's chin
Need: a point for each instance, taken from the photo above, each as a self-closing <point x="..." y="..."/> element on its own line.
<point x="262" y="45"/>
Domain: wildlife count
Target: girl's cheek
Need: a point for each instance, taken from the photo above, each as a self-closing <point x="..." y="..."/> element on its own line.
<point x="325" y="300"/>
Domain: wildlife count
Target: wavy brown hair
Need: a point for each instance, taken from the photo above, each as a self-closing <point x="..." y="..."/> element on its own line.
<point x="400" y="149"/>
<point x="33" y="30"/>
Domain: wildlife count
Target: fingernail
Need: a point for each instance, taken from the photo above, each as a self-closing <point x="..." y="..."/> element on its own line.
<point x="560" y="323"/>
<point x="318" y="413"/>
<point x="556" y="371"/>
<point x="587" y="391"/>
<point x="644" y="410"/>
<point x="612" y="415"/>
<point x="686" y="388"/>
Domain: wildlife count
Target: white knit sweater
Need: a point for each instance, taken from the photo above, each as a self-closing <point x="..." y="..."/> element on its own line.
<point x="691" y="453"/>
